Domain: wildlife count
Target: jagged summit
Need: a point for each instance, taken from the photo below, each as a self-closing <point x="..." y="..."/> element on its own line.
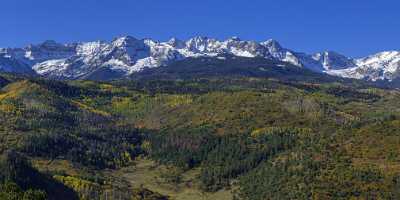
<point x="273" y="44"/>
<point x="126" y="55"/>
<point x="124" y="41"/>
<point x="50" y="44"/>
<point x="332" y="60"/>
<point x="176" y="43"/>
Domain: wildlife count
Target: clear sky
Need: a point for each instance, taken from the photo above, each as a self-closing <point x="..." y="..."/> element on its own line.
<point x="352" y="27"/>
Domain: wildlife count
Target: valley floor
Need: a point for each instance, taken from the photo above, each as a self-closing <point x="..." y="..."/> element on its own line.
<point x="148" y="174"/>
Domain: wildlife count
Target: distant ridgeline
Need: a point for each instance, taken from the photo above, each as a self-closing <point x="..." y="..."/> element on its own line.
<point x="285" y="134"/>
<point x="125" y="56"/>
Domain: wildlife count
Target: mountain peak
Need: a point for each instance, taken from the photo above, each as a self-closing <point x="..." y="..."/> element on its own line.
<point x="332" y="60"/>
<point x="199" y="38"/>
<point x="272" y="44"/>
<point x="124" y="41"/>
<point x="385" y="55"/>
<point x="234" y="38"/>
<point x="177" y="43"/>
<point x="199" y="44"/>
<point x="49" y="43"/>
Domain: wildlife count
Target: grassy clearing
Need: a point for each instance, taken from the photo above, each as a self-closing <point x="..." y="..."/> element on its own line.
<point x="146" y="173"/>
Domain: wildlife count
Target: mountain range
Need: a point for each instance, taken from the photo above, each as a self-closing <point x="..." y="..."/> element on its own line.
<point x="125" y="56"/>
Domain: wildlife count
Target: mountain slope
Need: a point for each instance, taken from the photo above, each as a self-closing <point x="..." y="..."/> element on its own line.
<point x="232" y="66"/>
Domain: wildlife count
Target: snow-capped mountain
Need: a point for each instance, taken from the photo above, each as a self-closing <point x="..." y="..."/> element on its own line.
<point x="127" y="55"/>
<point x="381" y="66"/>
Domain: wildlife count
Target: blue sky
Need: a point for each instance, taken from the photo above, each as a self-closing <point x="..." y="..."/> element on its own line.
<point x="352" y="27"/>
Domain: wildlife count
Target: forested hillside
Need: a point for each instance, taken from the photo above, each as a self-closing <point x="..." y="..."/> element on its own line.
<point x="215" y="137"/>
